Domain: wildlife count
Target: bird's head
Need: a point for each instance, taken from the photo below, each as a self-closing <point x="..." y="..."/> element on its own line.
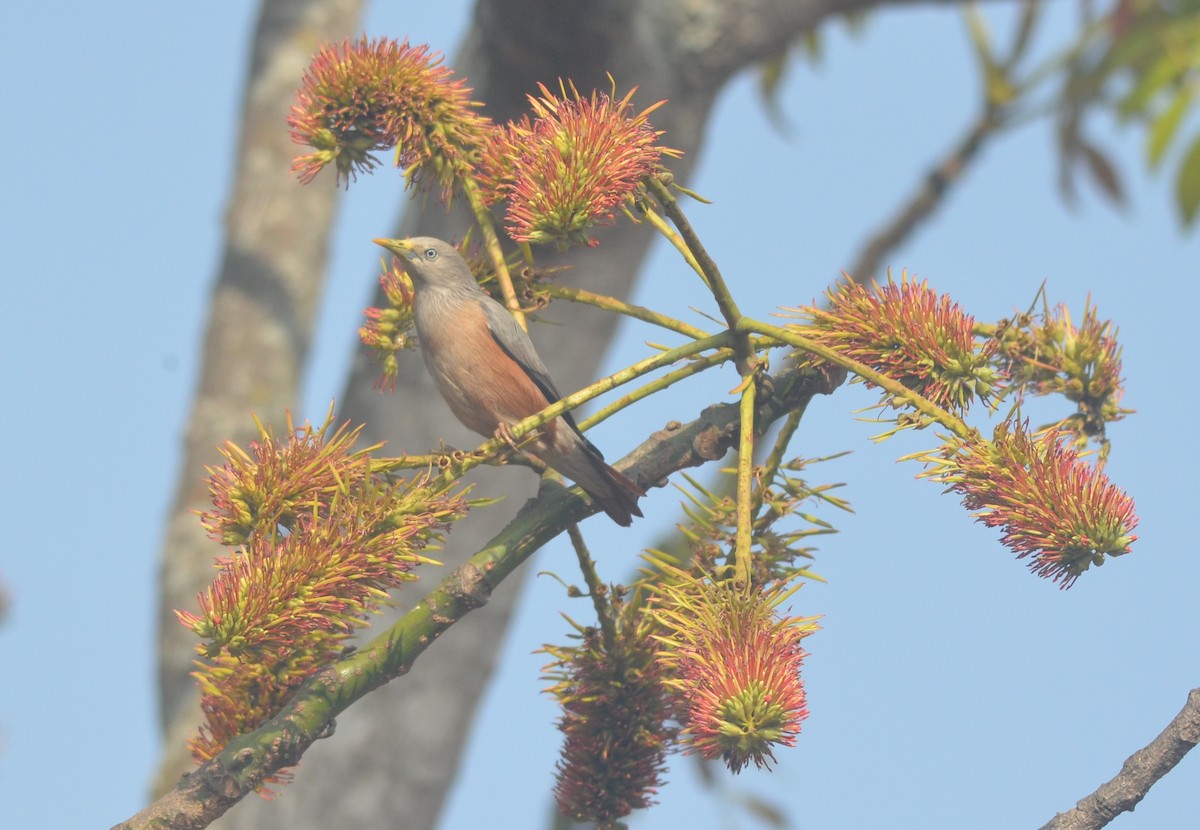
<point x="430" y="262"/>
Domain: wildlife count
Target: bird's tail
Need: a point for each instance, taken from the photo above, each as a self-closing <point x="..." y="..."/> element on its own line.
<point x="615" y="493"/>
<point x="618" y="494"/>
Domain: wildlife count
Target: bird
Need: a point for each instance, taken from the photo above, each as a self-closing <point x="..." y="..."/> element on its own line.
<point x="487" y="370"/>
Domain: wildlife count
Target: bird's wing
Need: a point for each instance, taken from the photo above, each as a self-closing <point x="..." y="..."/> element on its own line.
<point x="509" y="335"/>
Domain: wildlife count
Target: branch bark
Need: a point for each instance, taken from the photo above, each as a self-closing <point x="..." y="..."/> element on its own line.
<point x="1141" y="771"/>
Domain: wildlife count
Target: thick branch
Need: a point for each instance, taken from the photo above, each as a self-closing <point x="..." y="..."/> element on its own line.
<point x="213" y="788"/>
<point x="1140" y="772"/>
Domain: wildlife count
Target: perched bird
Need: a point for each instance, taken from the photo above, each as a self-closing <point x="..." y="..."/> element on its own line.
<point x="486" y="368"/>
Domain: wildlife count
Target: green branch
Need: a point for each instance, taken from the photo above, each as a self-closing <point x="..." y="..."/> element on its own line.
<point x="524" y="427"/>
<point x="892" y="387"/>
<point x="603" y="301"/>
<point x="491" y="243"/>
<point x="745" y="483"/>
<point x="712" y="274"/>
<point x="694" y="367"/>
<point x="596" y="589"/>
<point x="676" y="240"/>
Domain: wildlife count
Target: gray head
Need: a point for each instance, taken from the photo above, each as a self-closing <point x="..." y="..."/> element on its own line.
<point x="431" y="262"/>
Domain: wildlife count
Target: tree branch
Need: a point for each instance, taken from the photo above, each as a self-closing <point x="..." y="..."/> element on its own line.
<point x="213" y="788"/>
<point x="929" y="194"/>
<point x="1140" y="772"/>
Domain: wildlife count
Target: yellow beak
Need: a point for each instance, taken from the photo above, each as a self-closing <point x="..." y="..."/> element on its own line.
<point x="400" y="247"/>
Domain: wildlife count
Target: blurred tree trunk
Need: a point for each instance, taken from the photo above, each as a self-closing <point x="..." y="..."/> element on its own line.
<point x="396" y="753"/>
<point x="259" y="327"/>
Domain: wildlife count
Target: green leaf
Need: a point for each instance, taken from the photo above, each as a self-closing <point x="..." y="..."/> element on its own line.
<point x="1187" y="185"/>
<point x="1164" y="127"/>
<point x="1149" y="83"/>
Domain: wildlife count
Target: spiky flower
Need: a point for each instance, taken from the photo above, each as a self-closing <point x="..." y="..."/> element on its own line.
<point x="1052" y="505"/>
<point x="614" y="712"/>
<point x="331" y="570"/>
<point x="734" y="668"/>
<point x="263" y="490"/>
<point x="571" y="166"/>
<point x="1050" y="355"/>
<point x="369" y="95"/>
<point x="910" y="333"/>
<point x="319" y="538"/>
<point x="386" y="330"/>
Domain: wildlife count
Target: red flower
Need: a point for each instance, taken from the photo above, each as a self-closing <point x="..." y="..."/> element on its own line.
<point x="614" y="708"/>
<point x="1051" y="504"/>
<point x="571" y="166"/>
<point x="734" y="669"/>
<point x="912" y="334"/>
<point x="377" y="94"/>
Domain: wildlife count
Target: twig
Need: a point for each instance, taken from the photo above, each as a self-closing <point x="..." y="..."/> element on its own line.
<point x="597" y="590"/>
<point x="582" y="295"/>
<point x="745" y="484"/>
<point x="930" y="193"/>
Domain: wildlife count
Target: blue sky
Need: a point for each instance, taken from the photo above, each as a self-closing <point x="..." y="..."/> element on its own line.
<point x="946" y="682"/>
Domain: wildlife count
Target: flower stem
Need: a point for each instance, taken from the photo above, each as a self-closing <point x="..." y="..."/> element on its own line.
<point x="491" y="243"/>
<point x="596" y="589"/>
<point x="745" y="485"/>
<point x="581" y="295"/>
<point x="490" y="447"/>
<point x="893" y="387"/>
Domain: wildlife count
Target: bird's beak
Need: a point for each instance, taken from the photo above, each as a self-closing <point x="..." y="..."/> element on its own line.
<point x="400" y="247"/>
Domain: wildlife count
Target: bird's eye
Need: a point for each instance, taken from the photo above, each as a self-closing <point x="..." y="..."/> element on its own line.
<point x="431" y="254"/>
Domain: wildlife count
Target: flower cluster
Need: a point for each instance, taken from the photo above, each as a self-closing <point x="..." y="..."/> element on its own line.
<point x="386" y="330"/>
<point x="614" y="712"/>
<point x="371" y="95"/>
<point x="733" y="667"/>
<point x="562" y="169"/>
<point x="318" y="540"/>
<point x="913" y="335"/>
<point x="1048" y="354"/>
<point x="1052" y="505"/>
<point x="569" y="167"/>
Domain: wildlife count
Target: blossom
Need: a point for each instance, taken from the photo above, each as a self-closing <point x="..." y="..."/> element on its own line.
<point x="318" y="538"/>
<point x="734" y="668"/>
<point x="1049" y="355"/>
<point x="327" y="573"/>
<point x="910" y="333"/>
<point x="371" y="95"/>
<point x="569" y="167"/>
<point x="1053" y="506"/>
<point x="386" y="330"/>
<point x="614" y="708"/>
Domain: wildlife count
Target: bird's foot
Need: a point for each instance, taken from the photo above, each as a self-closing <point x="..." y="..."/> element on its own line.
<point x="505" y="434"/>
